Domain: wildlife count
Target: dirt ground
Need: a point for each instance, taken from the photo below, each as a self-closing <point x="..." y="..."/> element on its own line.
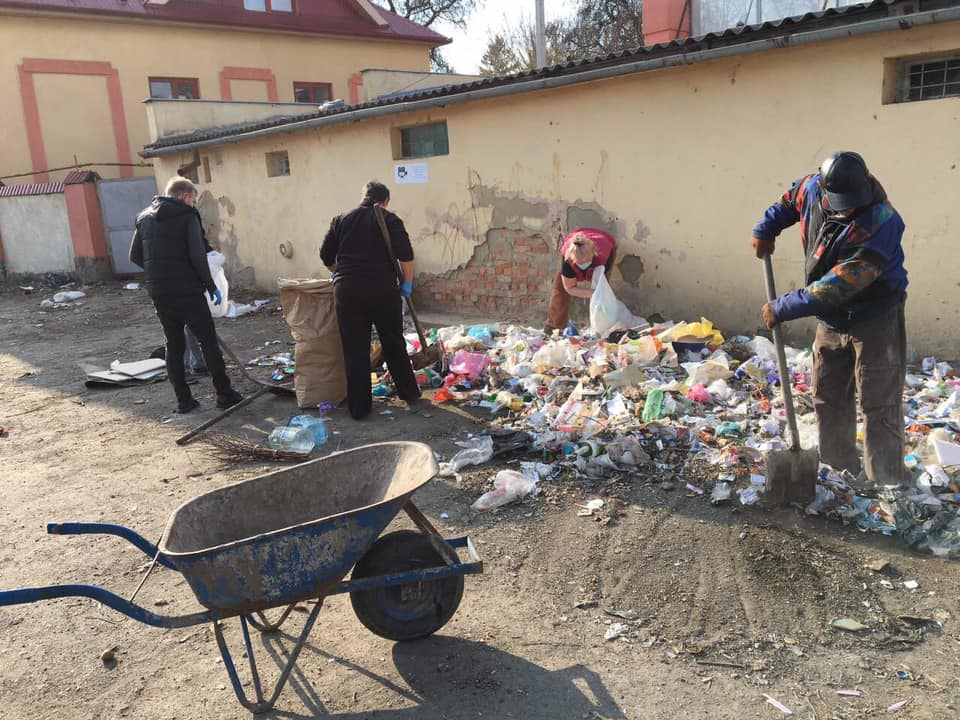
<point x="722" y="606"/>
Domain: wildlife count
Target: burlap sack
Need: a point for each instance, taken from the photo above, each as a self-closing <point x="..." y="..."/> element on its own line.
<point x="309" y="309"/>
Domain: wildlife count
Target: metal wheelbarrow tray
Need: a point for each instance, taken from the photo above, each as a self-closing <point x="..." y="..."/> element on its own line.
<point x="293" y="535"/>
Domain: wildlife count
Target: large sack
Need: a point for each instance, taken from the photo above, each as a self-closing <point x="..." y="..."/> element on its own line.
<point x="215" y="260"/>
<point x="309" y="309"/>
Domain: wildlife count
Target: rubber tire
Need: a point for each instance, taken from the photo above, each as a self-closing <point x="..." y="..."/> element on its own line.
<point x="384" y="611"/>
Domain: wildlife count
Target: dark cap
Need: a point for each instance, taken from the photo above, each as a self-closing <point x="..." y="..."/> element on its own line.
<point x="846" y="181"/>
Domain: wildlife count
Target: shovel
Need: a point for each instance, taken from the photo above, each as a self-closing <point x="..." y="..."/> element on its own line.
<point x="428" y="354"/>
<point x="791" y="474"/>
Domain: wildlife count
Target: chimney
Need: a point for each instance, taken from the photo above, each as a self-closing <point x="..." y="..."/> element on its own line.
<point x="666" y="20"/>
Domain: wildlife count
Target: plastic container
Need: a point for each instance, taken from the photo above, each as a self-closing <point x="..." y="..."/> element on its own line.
<point x="292" y="439"/>
<point x="318" y="425"/>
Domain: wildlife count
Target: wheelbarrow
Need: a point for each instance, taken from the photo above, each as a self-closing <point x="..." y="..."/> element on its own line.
<point x="291" y="536"/>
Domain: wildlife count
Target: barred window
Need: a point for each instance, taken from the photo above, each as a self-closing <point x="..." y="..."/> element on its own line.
<point x="930" y="79"/>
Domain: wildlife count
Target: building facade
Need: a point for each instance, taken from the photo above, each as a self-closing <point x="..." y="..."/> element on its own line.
<point x="677" y="149"/>
<point x="74" y="72"/>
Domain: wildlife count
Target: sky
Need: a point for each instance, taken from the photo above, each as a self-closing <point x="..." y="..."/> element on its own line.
<point x="468" y="45"/>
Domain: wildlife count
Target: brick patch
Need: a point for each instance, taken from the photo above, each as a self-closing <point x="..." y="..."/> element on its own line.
<point x="509" y="277"/>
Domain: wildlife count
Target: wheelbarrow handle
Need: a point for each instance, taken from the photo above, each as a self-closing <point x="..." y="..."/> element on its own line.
<point x="134" y="538"/>
<point x="140" y="614"/>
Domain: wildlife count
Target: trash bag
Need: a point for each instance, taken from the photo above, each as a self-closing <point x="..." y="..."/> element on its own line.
<point x="215" y="260"/>
<point x="607" y="313"/>
<point x="470" y="364"/>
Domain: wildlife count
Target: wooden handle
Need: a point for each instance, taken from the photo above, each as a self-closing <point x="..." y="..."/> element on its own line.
<point x="785" y="383"/>
<point x="378" y="211"/>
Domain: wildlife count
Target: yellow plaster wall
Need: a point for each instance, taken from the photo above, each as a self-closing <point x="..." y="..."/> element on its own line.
<point x="142" y="50"/>
<point x="683" y="161"/>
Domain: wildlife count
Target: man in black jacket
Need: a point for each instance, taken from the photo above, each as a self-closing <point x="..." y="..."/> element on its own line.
<point x="367" y="294"/>
<point x="168" y="244"/>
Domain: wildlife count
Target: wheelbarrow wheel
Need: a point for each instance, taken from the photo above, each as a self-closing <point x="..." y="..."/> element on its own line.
<point x="411" y="611"/>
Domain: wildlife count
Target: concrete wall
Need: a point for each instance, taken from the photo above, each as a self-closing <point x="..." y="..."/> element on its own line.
<point x="679" y="163"/>
<point x="377" y="82"/>
<point x="36" y="234"/>
<point x="89" y="76"/>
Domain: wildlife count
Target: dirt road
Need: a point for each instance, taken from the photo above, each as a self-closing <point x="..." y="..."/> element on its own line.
<point x="720" y="607"/>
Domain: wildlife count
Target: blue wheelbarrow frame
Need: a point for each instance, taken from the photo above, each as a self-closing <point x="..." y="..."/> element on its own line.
<point x="280" y="564"/>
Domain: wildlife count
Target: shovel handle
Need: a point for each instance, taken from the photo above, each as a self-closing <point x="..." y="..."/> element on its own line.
<point x="378" y="211"/>
<point x="786" y="386"/>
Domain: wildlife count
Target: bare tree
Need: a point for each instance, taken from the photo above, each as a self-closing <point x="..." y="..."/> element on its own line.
<point x="427" y="12"/>
<point x="513" y="49"/>
<point x="597" y="27"/>
<point x="600" y="27"/>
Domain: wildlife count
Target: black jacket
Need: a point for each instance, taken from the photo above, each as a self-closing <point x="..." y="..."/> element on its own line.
<point x="354" y="243"/>
<point x="169" y="245"/>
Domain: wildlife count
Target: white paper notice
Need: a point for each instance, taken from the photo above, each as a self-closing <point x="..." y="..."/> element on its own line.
<point x="411" y="173"/>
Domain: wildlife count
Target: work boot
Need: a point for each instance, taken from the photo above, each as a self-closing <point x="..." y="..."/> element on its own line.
<point x="187" y="405"/>
<point x="228" y="400"/>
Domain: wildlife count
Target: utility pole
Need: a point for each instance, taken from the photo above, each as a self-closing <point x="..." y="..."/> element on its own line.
<point x="541" y="36"/>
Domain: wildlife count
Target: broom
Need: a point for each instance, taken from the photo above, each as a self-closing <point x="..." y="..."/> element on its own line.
<point x="234" y="450"/>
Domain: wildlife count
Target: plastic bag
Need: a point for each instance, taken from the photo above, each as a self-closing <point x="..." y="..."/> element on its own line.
<point x="508" y="485"/>
<point x="607" y="313"/>
<point x="216" y="260"/>
<point x="556" y="355"/>
<point x="469" y="364"/>
<point x="478" y="451"/>
<point x="644" y="351"/>
<point x="702" y="331"/>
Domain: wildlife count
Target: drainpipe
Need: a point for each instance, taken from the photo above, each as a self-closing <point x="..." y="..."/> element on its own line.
<point x="868" y="27"/>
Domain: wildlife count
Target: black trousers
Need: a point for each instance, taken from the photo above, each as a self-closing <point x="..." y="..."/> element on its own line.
<point x="359" y="309"/>
<point x="190" y="311"/>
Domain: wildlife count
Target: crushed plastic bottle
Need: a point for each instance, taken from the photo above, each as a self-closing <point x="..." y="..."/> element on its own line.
<point x="318" y="425"/>
<point x="292" y="439"/>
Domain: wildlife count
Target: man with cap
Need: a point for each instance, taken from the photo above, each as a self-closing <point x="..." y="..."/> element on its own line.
<point x="856" y="286"/>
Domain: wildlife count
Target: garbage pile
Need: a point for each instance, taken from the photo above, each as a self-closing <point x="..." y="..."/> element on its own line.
<point x="679" y="402"/>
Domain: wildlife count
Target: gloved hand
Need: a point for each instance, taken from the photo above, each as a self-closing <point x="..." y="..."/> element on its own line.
<point x="406" y="289"/>
<point x="769" y="319"/>
<point x="762" y="247"/>
<point x="215" y="296"/>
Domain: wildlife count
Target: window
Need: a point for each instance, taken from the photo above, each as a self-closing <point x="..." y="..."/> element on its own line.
<point x="278" y="163"/>
<point x="175" y="88"/>
<point x="930" y="79"/>
<point x="424" y="141"/>
<point x="205" y="166"/>
<point x="311" y="92"/>
<point x="284" y="6"/>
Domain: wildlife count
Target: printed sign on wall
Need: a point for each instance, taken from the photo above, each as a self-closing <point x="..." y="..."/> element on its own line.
<point x="411" y="173"/>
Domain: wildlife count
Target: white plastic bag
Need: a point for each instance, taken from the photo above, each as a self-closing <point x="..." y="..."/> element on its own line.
<point x="478" y="451"/>
<point x="508" y="485"/>
<point x="607" y="313"/>
<point x="215" y="260"/>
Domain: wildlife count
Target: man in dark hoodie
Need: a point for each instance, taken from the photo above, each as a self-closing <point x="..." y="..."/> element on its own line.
<point x="856" y="286"/>
<point x="168" y="244"/>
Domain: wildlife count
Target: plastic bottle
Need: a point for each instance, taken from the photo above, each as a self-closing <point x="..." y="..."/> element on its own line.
<point x="318" y="425"/>
<point x="293" y="439"/>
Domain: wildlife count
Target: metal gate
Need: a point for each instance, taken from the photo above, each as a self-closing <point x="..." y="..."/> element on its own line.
<point x="120" y="201"/>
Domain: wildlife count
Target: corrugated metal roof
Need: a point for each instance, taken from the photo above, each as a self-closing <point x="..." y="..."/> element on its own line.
<point x="31" y="189"/>
<point x="322" y="17"/>
<point x="847" y="15"/>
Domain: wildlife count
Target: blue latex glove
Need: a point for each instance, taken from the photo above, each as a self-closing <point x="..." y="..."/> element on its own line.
<point x="216" y="297"/>
<point x="406" y="289"/>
